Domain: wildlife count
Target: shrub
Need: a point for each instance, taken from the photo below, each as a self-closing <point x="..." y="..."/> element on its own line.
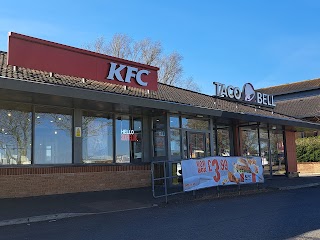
<point x="308" y="149"/>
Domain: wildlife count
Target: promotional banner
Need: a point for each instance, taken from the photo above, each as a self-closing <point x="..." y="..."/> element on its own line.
<point x="215" y="171"/>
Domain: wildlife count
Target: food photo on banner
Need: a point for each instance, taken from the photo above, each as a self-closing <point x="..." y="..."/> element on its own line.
<point x="217" y="171"/>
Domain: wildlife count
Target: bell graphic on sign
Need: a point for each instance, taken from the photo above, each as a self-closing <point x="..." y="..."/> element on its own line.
<point x="248" y="92"/>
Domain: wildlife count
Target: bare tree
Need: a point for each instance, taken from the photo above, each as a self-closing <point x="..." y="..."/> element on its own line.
<point x="170" y="69"/>
<point x="147" y="52"/>
<point x="119" y="46"/>
<point x="189" y="83"/>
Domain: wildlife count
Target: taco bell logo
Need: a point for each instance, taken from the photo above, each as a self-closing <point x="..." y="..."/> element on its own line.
<point x="248" y="94"/>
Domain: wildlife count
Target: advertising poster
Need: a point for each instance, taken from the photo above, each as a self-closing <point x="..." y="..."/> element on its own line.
<point x="217" y="171"/>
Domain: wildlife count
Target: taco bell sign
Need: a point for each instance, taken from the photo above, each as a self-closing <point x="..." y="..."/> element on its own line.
<point x="246" y="95"/>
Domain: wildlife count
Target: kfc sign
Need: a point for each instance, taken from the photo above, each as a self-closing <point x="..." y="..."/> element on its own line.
<point x="247" y="95"/>
<point x="131" y="72"/>
<point x="38" y="54"/>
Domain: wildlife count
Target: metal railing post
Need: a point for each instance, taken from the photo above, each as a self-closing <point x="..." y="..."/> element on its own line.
<point x="165" y="182"/>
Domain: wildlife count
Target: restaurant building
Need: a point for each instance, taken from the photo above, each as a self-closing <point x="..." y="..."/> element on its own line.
<point x="74" y="121"/>
<point x="300" y="100"/>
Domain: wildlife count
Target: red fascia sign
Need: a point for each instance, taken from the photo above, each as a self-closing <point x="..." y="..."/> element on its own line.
<point x="38" y="54"/>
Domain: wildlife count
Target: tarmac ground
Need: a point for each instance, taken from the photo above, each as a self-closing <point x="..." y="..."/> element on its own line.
<point x="54" y="207"/>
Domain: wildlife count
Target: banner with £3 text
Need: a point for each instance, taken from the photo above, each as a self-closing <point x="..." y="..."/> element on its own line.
<point x="215" y="171"/>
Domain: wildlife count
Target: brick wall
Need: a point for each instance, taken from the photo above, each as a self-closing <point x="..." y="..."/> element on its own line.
<point x="36" y="181"/>
<point x="309" y="167"/>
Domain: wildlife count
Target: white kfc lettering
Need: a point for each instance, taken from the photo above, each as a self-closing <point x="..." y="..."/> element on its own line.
<point x="132" y="72"/>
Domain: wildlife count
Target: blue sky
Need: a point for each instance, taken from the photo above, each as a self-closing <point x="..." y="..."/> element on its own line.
<point x="266" y="42"/>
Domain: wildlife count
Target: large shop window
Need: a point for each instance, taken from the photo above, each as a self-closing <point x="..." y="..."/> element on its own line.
<point x="128" y="139"/>
<point x="15" y="134"/>
<point x="53" y="136"/>
<point x="97" y="139"/>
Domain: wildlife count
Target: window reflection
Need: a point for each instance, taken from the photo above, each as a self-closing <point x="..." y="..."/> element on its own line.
<point x="175" y="142"/>
<point x="174" y="122"/>
<point x="97" y="139"/>
<point x="277" y="152"/>
<point x="208" y="152"/>
<point x="53" y="136"/>
<point x="15" y="135"/>
<point x="195" y="124"/>
<point x="223" y="140"/>
<point x="196" y="145"/>
<point x="128" y="139"/>
<point x="249" y="141"/>
<point x="159" y="136"/>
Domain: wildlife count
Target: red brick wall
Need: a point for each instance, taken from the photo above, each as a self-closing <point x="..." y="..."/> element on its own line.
<point x="36" y="181"/>
<point x="291" y="151"/>
<point x="309" y="167"/>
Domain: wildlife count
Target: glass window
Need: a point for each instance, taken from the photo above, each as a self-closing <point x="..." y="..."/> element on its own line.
<point x="223" y="141"/>
<point x="137" y="143"/>
<point x="195" y="124"/>
<point x="158" y="122"/>
<point x="277" y="152"/>
<point x="128" y="139"/>
<point x="175" y="142"/>
<point x="249" y="141"/>
<point x="159" y="146"/>
<point x="208" y="152"/>
<point x="15" y="134"/>
<point x="196" y="145"/>
<point x="184" y="145"/>
<point x="123" y="135"/>
<point x="53" y="136"/>
<point x="159" y="136"/>
<point x="174" y="122"/>
<point x="97" y="138"/>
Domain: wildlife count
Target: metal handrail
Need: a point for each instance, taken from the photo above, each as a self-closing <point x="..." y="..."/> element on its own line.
<point x="165" y="165"/>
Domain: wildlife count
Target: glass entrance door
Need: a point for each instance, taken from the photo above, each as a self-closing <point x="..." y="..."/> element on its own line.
<point x="196" y="145"/>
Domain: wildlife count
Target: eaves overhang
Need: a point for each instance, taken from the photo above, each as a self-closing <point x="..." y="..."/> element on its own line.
<point x="87" y="94"/>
